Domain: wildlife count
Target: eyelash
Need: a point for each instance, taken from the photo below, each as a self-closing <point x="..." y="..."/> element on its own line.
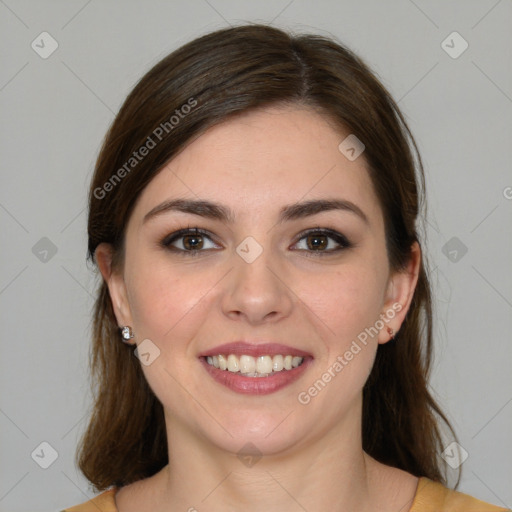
<point x="334" y="235"/>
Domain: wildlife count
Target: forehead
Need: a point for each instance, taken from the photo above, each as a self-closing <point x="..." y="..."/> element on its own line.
<point x="256" y="162"/>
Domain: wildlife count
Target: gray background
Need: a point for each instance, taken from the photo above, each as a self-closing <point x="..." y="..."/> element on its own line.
<point x="55" y="112"/>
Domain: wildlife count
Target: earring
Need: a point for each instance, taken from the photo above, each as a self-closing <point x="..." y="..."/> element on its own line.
<point x="126" y="334"/>
<point x="391" y="333"/>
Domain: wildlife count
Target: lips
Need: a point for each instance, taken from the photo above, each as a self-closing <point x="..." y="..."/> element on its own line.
<point x="239" y="348"/>
<point x="255" y="385"/>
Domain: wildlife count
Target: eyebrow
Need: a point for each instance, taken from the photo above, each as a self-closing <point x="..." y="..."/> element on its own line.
<point x="222" y="213"/>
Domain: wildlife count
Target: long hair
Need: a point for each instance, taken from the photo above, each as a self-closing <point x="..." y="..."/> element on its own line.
<point x="203" y="83"/>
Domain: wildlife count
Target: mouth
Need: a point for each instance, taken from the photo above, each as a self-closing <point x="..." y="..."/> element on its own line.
<point x="261" y="366"/>
<point x="255" y="369"/>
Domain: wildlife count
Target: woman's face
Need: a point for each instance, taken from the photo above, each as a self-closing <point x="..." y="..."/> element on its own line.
<point x="262" y="277"/>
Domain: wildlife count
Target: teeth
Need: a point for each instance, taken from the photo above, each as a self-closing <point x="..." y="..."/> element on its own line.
<point x="223" y="363"/>
<point x="264" y="364"/>
<point x="277" y="363"/>
<point x="249" y="366"/>
<point x="233" y="363"/>
<point x="295" y="361"/>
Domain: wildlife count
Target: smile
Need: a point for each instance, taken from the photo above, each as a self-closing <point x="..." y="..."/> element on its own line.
<point x="262" y="366"/>
<point x="257" y="381"/>
<point x="255" y="368"/>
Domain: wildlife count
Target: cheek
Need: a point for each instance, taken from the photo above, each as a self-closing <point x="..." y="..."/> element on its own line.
<point x="347" y="300"/>
<point x="163" y="295"/>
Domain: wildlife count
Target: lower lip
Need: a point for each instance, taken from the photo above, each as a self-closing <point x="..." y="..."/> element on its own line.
<point x="256" y="385"/>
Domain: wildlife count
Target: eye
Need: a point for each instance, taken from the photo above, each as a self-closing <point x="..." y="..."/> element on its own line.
<point x="189" y="240"/>
<point x="318" y="241"/>
<point x="323" y="241"/>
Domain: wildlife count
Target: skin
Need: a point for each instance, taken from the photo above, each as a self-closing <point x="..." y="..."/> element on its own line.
<point x="312" y="456"/>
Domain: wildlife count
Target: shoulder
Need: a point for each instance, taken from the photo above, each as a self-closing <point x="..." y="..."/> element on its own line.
<point x="434" y="497"/>
<point x="104" y="502"/>
<point x="430" y="497"/>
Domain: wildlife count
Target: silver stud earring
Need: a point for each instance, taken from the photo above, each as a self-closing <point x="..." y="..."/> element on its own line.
<point x="126" y="334"/>
<point x="391" y="333"/>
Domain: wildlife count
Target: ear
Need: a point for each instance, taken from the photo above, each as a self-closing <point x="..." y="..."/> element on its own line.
<point x="115" y="282"/>
<point x="400" y="291"/>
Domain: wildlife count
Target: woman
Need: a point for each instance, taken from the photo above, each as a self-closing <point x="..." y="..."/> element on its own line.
<point x="253" y="215"/>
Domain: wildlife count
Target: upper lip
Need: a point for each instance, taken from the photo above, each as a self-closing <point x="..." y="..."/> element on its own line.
<point x="239" y="348"/>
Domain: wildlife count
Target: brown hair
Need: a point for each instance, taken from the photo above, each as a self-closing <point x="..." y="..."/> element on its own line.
<point x="201" y="84"/>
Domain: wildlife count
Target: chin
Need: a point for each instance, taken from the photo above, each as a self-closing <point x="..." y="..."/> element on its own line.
<point x="253" y="442"/>
<point x="264" y="432"/>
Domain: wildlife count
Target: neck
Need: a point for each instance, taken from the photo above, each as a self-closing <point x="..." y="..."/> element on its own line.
<point x="331" y="472"/>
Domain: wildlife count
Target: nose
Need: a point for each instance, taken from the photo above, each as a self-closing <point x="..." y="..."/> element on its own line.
<point x="257" y="291"/>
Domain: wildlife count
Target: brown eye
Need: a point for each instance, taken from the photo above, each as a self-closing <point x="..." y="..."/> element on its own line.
<point x="189" y="241"/>
<point x="316" y="241"/>
<point x="322" y="242"/>
<point x="193" y="242"/>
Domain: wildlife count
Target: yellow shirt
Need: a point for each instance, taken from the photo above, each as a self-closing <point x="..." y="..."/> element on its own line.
<point x="430" y="497"/>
